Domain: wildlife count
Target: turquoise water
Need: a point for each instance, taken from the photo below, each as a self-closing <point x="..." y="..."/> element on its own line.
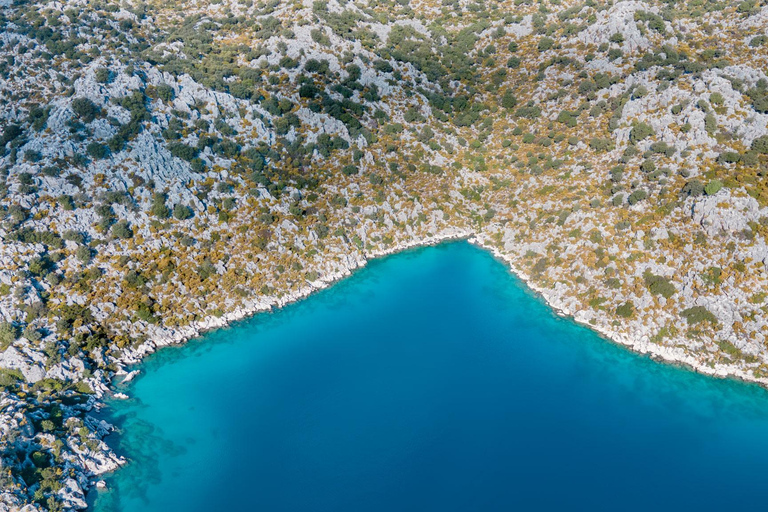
<point x="431" y="380"/>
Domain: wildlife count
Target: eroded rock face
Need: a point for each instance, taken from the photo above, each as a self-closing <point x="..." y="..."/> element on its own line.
<point x="13" y="359"/>
<point x="72" y="495"/>
<point x="722" y="212"/>
<point x="619" y="19"/>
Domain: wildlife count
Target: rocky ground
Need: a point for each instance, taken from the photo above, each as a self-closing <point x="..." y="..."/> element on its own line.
<point x="171" y="167"/>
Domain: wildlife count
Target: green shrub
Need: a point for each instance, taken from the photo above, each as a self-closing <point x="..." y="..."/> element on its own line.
<point x="182" y="212"/>
<point x="710" y="123"/>
<point x="85" y="109"/>
<point x="158" y="208"/>
<point x="31" y="155"/>
<point x="288" y="62"/>
<point x="122" y="230"/>
<point x="165" y="92"/>
<point x="8" y="334"/>
<point x="529" y="111"/>
<point x="616" y="37"/>
<point x="716" y="98"/>
<point x="648" y="166"/>
<point x="102" y="75"/>
<point x="10" y="133"/>
<point x="728" y="157"/>
<point x="626" y="310"/>
<point x="545" y="43"/>
<point x="308" y="91"/>
<point x="601" y="144"/>
<point x="319" y="37"/>
<point x="541" y="265"/>
<point x="206" y="270"/>
<point x="693" y="188"/>
<point x="659" y="285"/>
<point x="32" y="334"/>
<point x="641" y="131"/>
<point x="72" y="235"/>
<point x="10" y="377"/>
<point x="383" y="66"/>
<point x="39" y="266"/>
<point x="760" y="145"/>
<point x="698" y="314"/>
<point x="144" y="312"/>
<point x="509" y="100"/>
<point x="38" y="117"/>
<point x="637" y="196"/>
<point x="181" y="150"/>
<point x="66" y="202"/>
<point x="83" y="253"/>
<point x="97" y="151"/>
<point x="713" y="187"/>
<point x="750" y="158"/>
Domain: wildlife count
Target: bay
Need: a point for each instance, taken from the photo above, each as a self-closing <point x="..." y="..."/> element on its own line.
<point x="430" y="380"/>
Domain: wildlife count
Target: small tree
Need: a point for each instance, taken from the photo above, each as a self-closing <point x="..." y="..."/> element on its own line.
<point x="165" y="92"/>
<point x="698" y="314"/>
<point x="659" y="285"/>
<point x="626" y="310"/>
<point x="122" y="230"/>
<point x="182" y="212"/>
<point x="693" y="188"/>
<point x="85" y="109"/>
<point x="97" y="151"/>
<point x="713" y="187"/>
<point x="8" y="334"/>
<point x="102" y="75"/>
<point x="637" y="196"/>
<point x="83" y="253"/>
<point x="760" y="144"/>
<point x="545" y="43"/>
<point x="640" y="131"/>
<point x="508" y="100"/>
<point x="159" y="209"/>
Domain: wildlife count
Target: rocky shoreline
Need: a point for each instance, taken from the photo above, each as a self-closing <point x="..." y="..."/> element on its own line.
<point x="639" y="345"/>
<point x="169" y="168"/>
<point x="95" y="463"/>
<point x="108" y="460"/>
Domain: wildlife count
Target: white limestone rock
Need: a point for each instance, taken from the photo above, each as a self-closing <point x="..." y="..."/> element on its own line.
<point x="618" y="19"/>
<point x="725" y="212"/>
<point x="72" y="495"/>
<point x="13" y="359"/>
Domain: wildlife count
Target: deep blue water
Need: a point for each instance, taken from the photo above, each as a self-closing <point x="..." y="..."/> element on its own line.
<point x="431" y="380"/>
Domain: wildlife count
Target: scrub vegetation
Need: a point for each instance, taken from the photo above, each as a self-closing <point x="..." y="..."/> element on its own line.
<point x="169" y="166"/>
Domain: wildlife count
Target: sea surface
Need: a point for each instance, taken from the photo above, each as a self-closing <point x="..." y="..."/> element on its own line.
<point x="432" y="380"/>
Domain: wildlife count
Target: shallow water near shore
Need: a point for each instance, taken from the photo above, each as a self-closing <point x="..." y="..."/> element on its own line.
<point x="430" y="380"/>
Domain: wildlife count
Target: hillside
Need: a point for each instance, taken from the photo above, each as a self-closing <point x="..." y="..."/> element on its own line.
<point x="171" y="166"/>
